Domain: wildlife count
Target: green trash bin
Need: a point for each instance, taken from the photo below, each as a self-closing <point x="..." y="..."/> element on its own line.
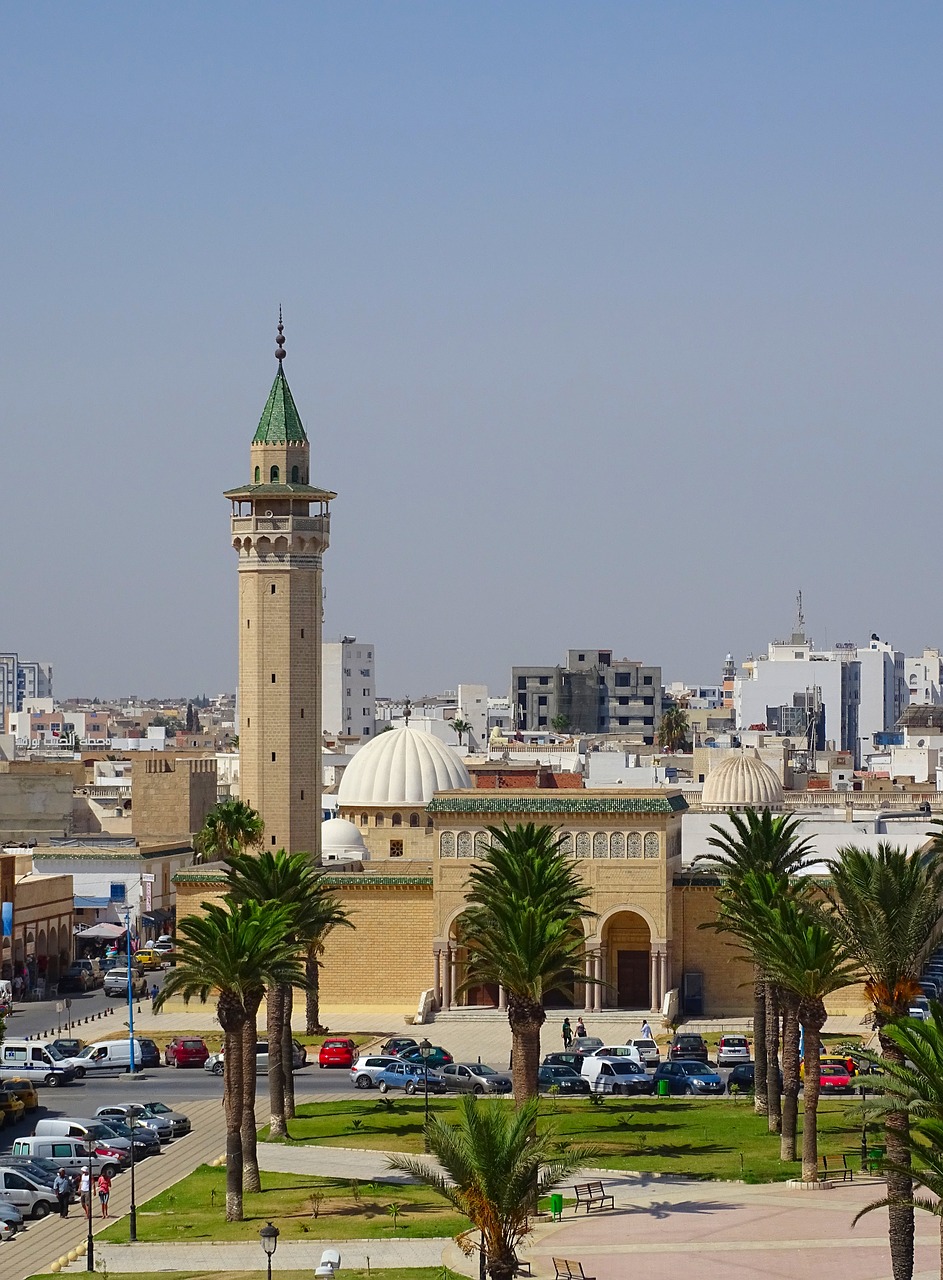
<point x="663" y="1088"/>
<point x="556" y="1207"/>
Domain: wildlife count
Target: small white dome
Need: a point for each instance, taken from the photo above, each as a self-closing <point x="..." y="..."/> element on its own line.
<point x="341" y="839"/>
<point x="401" y="766"/>
<point x="742" y="780"/>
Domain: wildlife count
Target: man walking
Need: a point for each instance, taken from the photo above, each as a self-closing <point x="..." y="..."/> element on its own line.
<point x="646" y="1031"/>
<point x="62" y="1186"/>
<point x="85" y="1192"/>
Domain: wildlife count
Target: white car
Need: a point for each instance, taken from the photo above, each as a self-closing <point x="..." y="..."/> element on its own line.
<point x="732" y="1050"/>
<point x="616" y="1051"/>
<point x="364" y="1072"/>
<point x="648" y="1051"/>
<point x="29" y="1196"/>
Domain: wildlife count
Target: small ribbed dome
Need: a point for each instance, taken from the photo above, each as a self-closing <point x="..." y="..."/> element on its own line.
<point x="341" y="839"/>
<point x="741" y="780"/>
<point x="401" y="766"/>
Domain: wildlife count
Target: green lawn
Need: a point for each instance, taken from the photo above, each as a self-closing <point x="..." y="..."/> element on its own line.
<point x="690" y="1137"/>
<point x="195" y="1210"/>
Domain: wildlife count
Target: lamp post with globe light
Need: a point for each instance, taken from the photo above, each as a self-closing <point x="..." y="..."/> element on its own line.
<point x="425" y="1049"/>
<point x="269" y="1237"/>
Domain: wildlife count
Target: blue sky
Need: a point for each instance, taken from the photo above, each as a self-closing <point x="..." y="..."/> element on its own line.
<point x="611" y="324"/>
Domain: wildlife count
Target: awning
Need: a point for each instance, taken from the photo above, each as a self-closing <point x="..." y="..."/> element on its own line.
<point x="86" y="904"/>
<point x="101" y="933"/>
<point x="157" y="916"/>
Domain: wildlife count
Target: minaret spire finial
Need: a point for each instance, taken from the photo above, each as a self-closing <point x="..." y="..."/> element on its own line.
<point x="280" y="340"/>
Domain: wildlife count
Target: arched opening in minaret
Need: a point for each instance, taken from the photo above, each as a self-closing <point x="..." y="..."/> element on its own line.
<point x="258" y="475"/>
<point x="294" y="475"/>
<point x="273" y="475"/>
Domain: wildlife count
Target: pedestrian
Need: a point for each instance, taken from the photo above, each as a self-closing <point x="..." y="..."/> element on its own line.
<point x="646" y="1031"/>
<point x="153" y="995"/>
<point x="580" y="1029"/>
<point x="104" y="1191"/>
<point x="62" y="1186"/>
<point x="567" y="1033"/>
<point x="85" y="1192"/>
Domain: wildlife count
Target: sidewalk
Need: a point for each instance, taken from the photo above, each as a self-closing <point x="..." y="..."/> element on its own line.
<point x="291" y="1255"/>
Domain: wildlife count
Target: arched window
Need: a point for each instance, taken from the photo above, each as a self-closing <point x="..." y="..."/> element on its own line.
<point x="414" y="819"/>
<point x="465" y="846"/>
<point x="600" y="844"/>
<point x="378" y="820"/>
<point x="482" y="844"/>
<point x="651" y="844"/>
<point x="273" y="475"/>
<point x="617" y="845"/>
<point x="397" y="819"/>
<point x="364" y="819"/>
<point x="634" y="844"/>
<point x="258" y="475"/>
<point x="583" y="844"/>
<point x="447" y="844"/>
<point x="294" y="475"/>
<point x="566" y="843"/>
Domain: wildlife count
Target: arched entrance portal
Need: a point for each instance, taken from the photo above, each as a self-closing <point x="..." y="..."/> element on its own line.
<point x="483" y="995"/>
<point x="627" y="962"/>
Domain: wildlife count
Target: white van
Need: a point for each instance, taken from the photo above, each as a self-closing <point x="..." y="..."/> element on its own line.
<point x="106" y="1056"/>
<point x="616" y="1074"/>
<point x="70" y="1154"/>
<point x="37" y="1062"/>
<point x="32" y="1198"/>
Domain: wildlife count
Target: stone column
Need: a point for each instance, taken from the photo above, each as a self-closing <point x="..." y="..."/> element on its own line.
<point x="588" y="989"/>
<point x="453" y="966"/>
<point x="447" y="979"/>
<point x="502" y="998"/>
<point x="663" y="985"/>
<point x="597" y="988"/>
<point x="653" y="980"/>
<point x="437" y="978"/>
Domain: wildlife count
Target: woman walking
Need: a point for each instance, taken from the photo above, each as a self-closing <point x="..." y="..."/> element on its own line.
<point x="567" y="1034"/>
<point x="104" y="1191"/>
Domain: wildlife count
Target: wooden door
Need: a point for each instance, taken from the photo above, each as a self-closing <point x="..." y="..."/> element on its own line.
<point x="632" y="979"/>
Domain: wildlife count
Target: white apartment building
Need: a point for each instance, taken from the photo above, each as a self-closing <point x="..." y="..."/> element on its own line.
<point x="923" y="677"/>
<point x="882" y="692"/>
<point x="21" y="681"/>
<point x="348" y="688"/>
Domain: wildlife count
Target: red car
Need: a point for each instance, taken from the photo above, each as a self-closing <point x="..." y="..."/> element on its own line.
<point x="186" y="1051"/>
<point x="337" y="1052"/>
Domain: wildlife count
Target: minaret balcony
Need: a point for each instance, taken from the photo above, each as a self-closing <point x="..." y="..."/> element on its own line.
<point x="243" y="526"/>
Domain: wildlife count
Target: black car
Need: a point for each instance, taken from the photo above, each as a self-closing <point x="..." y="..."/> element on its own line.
<point x="563" y="1079"/>
<point x="397" y="1044"/>
<point x="687" y="1046"/>
<point x="567" y="1059"/>
<point x="68" y="1048"/>
<point x="742" y="1078"/>
<point x="75" y="978"/>
<point x="150" y="1054"/>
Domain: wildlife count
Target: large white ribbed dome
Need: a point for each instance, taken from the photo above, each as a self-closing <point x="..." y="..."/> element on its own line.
<point x="740" y="780"/>
<point x="341" y="839"/>
<point x="401" y="766"/>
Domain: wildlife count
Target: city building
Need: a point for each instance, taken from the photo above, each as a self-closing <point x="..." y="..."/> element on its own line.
<point x="280" y="531"/>
<point x="349" y="688"/>
<point x="923" y="678"/>
<point x="19" y="682"/>
<point x="591" y="694"/>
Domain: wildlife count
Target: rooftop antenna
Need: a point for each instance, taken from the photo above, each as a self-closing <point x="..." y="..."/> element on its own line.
<point x="800" y="616"/>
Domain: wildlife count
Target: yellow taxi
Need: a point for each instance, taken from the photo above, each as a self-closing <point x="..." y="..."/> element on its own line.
<point x="148" y="959"/>
<point x="25" y="1090"/>
<point x="11" y="1107"/>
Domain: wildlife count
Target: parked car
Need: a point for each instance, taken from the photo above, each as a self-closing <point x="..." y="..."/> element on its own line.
<point x="397" y="1044"/>
<point x="616" y="1075"/>
<point x="127" y="1112"/>
<point x="563" y="1079"/>
<point x="565" y="1059"/>
<point x="71" y="1154"/>
<point x="586" y="1044"/>
<point x="146" y="1142"/>
<point x="364" y="1072"/>
<point x="616" y="1051"/>
<point x="214" y="1062"/>
<point x="12" y="1106"/>
<point x="164" y="944"/>
<point x="732" y="1050"/>
<point x="648" y="1052"/>
<point x="475" y="1077"/>
<point x="186" y="1051"/>
<point x="150" y="1054"/>
<point x="835" y="1075"/>
<point x="25" y="1090"/>
<point x="75" y="978"/>
<point x="437" y="1056"/>
<point x="68" y="1047"/>
<point x="33" y="1199"/>
<point x="116" y="983"/>
<point x="34" y="1167"/>
<point x="688" y="1076"/>
<point x="742" y="1078"/>
<point x="919" y="1008"/>
<point x="179" y="1122"/>
<point x="149" y="960"/>
<point x="410" y="1077"/>
<point x="687" y="1047"/>
<point x="338" y="1051"/>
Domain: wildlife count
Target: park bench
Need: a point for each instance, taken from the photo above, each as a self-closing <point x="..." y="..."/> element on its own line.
<point x="522" y="1269"/>
<point x="567" y="1269"/>
<point x="845" y="1173"/>
<point x="593" y="1195"/>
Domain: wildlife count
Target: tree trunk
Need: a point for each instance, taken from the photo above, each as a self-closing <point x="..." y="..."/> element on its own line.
<point x="760" y="1100"/>
<point x="250" y="1161"/>
<point x="276" y="1078"/>
<point x="812" y="1016"/>
<point x="787" y="1143"/>
<point x="232" y="1019"/>
<point x="287" y="1056"/>
<point x="313" y="993"/>
<point x="774" y="1108"/>
<point x="526" y="1018"/>
<point x="900" y="1217"/>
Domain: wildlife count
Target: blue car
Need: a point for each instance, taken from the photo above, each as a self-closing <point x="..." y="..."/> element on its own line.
<point x="410" y="1077"/>
<point x="688" y="1077"/>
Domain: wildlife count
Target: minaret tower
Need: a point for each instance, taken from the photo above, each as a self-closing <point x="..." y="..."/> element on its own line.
<point x="280" y="530"/>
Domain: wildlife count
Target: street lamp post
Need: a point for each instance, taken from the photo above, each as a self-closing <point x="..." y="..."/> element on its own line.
<point x="127" y="926"/>
<point x="90" y="1245"/>
<point x="425" y="1049"/>
<point x="133" y="1209"/>
<point x="269" y="1237"/>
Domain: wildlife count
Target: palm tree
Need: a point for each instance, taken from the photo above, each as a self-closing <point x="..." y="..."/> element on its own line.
<point x="331" y="915"/>
<point x="913" y="1086"/>
<point x="461" y="727"/>
<point x="673" y="729"/>
<point x="231" y="827"/>
<point x="886" y="907"/>
<point x="488" y="1166"/>
<point x="231" y="952"/>
<point x="523" y="929"/>
<point x="290" y="881"/>
<point x="758" y="843"/>
<point x="804" y="957"/>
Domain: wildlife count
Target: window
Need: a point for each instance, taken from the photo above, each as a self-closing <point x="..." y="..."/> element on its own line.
<point x="273" y="757"/>
<point x="273" y="677"/>
<point x="365" y="671"/>
<point x="646" y="680"/>
<point x="273" y="475"/>
<point x="648" y="720"/>
<point x="258" y="475"/>
<point x="414" y="819"/>
<point x="623" y="720"/>
<point x="541" y="722"/>
<point x="248" y="721"/>
<point x="378" y="820"/>
<point x="248" y="623"/>
<point x="396" y="848"/>
<point x="294" y="475"/>
<point x="366" y="693"/>
<point x="544" y="680"/>
<point x="581" y="657"/>
<point x="364" y="819"/>
<point x="397" y="819"/>
<point x="273" y="588"/>
<point x="623" y="702"/>
<point x="302" y="793"/>
<point x="118" y="892"/>
<point x="522" y="682"/>
<point x="623" y="679"/>
<point x="648" y="702"/>
<point x="542" y="700"/>
<point x="273" y="840"/>
<point x="302" y="713"/>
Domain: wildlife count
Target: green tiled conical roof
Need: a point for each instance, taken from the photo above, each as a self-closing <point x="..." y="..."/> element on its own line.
<point x="280" y="422"/>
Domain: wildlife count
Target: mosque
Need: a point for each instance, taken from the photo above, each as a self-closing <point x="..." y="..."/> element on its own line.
<point x="410" y="821"/>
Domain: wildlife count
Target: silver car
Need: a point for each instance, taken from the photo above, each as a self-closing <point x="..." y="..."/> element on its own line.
<point x="475" y="1077"/>
<point x="364" y="1072"/>
<point x="126" y="1111"/>
<point x="732" y="1050"/>
<point x="32" y="1198"/>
